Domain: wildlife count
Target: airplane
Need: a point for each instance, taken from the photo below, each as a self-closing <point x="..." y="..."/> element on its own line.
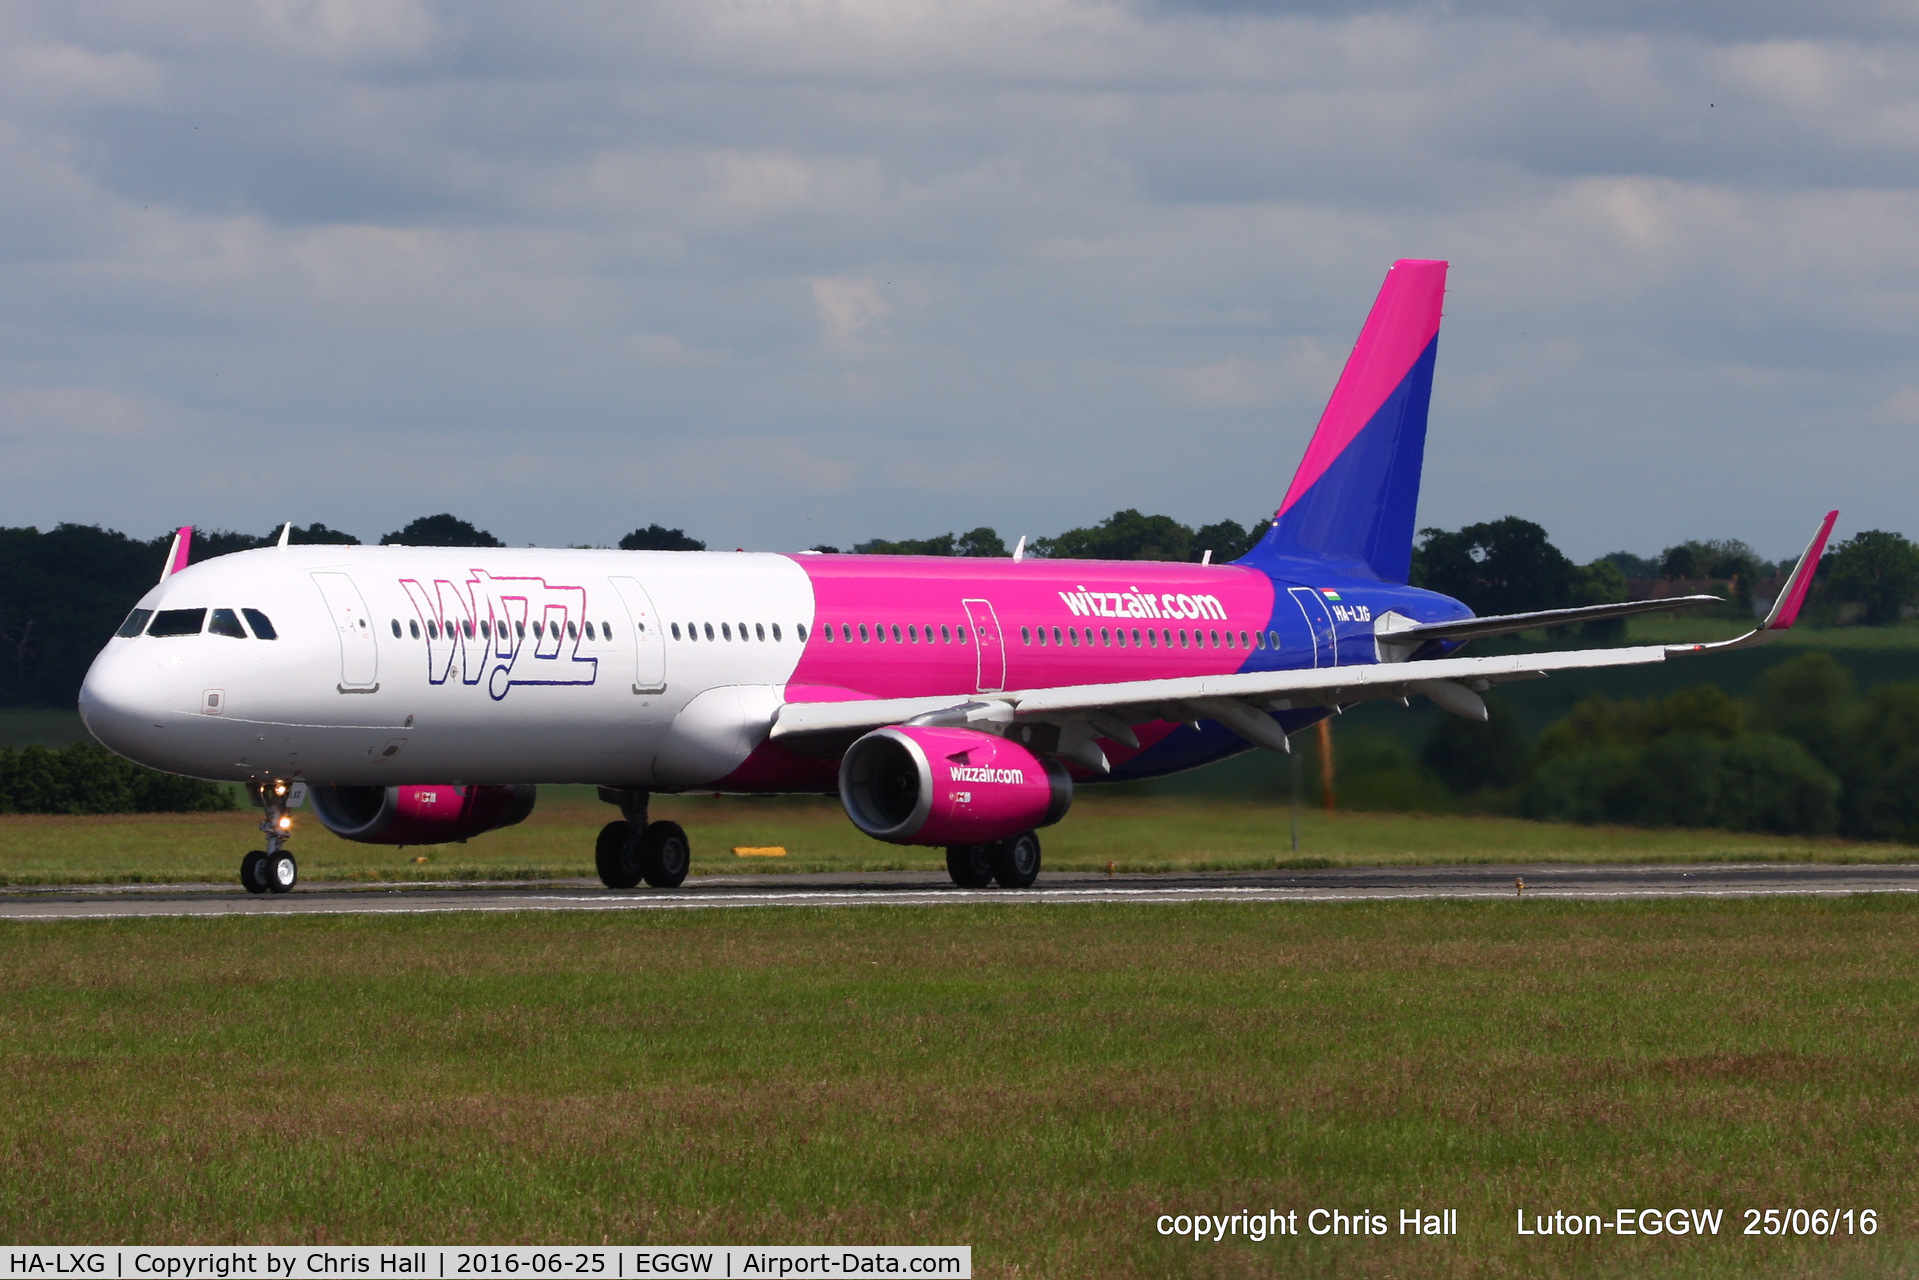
<point x="946" y="702"/>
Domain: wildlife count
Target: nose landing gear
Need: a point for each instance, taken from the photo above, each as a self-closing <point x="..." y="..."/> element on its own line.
<point x="271" y="870"/>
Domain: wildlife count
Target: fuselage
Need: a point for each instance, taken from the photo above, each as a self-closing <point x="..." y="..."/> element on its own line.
<point x="663" y="670"/>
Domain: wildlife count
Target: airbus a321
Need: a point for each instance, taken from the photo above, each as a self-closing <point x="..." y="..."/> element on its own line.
<point x="419" y="694"/>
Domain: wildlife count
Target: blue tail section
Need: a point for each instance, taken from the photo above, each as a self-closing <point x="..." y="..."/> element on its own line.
<point x="1355" y="496"/>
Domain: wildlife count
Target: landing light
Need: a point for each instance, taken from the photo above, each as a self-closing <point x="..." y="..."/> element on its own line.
<point x="286" y="824"/>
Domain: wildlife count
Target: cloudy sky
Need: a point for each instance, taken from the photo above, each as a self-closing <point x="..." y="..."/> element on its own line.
<point x="786" y="273"/>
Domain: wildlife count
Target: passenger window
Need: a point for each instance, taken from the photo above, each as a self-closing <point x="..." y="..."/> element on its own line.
<point x="828" y="633"/>
<point x="177" y="622"/>
<point x="572" y="631"/>
<point x="1025" y="635"/>
<point x="846" y="631"/>
<point x="1182" y="637"/>
<point x="946" y="634"/>
<point x="227" y="623"/>
<point x="676" y="631"/>
<point x="519" y="629"/>
<point x="726" y="631"/>
<point x="961" y="633"/>
<point x="742" y="631"/>
<point x="1055" y="635"/>
<point x="1104" y="638"/>
<point x="708" y="628"/>
<point x="1073" y="633"/>
<point x="236" y="622"/>
<point x="486" y="629"/>
<point x="862" y="633"/>
<point x="799" y="629"/>
<point x="1042" y="636"/>
<point x="759" y="631"/>
<point x="432" y="629"/>
<point x="413" y="627"/>
<point x="1152" y="638"/>
<point x="896" y="633"/>
<point x="136" y="623"/>
<point x="1215" y="639"/>
<point x="1229" y="639"/>
<point x="606" y="629"/>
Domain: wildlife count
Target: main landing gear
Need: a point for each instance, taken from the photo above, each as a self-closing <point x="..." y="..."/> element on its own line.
<point x="1013" y="862"/>
<point x="271" y="870"/>
<point x="632" y="849"/>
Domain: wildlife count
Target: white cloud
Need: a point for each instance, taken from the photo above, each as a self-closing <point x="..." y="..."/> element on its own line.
<point x="846" y="307"/>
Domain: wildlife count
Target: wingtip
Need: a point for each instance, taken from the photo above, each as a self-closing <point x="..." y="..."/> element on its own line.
<point x="1785" y="610"/>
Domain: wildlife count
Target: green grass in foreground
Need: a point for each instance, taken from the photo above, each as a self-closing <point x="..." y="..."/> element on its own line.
<point x="1040" y="1082"/>
<point x="1135" y="833"/>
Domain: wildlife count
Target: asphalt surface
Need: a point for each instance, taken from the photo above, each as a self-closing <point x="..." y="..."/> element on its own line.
<point x="909" y="888"/>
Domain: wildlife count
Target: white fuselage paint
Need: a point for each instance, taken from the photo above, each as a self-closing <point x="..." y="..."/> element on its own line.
<point x="338" y="698"/>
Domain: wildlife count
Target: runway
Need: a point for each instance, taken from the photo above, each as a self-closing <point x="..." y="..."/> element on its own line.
<point x="912" y="888"/>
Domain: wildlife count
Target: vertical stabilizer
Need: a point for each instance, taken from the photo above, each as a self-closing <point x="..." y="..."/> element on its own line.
<point x="1355" y="494"/>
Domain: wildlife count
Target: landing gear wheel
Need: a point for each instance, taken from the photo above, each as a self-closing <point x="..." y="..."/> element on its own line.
<point x="281" y="873"/>
<point x="969" y="865"/>
<point x="665" y="855"/>
<point x="1016" y="861"/>
<point x="253" y="872"/>
<point x="616" y="856"/>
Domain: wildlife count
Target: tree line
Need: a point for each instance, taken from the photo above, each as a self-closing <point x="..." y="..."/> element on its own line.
<point x="64" y="591"/>
<point x="1807" y="754"/>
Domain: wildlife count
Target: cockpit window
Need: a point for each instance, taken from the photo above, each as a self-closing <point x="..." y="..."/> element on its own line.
<point x="262" y="629"/>
<point x="136" y="623"/>
<point x="177" y="622"/>
<point x="227" y="623"/>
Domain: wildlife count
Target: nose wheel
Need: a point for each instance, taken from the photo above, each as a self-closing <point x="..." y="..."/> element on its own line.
<point x="271" y="870"/>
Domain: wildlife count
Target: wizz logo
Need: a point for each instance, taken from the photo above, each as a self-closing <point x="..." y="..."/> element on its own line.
<point x="503" y="631"/>
<point x="974" y="773"/>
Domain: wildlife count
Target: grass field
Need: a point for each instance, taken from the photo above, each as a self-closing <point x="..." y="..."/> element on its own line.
<point x="1134" y="833"/>
<point x="1039" y="1082"/>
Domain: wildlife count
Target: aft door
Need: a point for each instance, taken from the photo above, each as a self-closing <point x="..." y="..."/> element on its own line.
<point x="1319" y="625"/>
<point x="989" y="648"/>
<point x="649" y="675"/>
<point x="359" y="651"/>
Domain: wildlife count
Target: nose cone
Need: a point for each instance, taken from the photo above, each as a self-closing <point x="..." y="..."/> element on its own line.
<point x="124" y="702"/>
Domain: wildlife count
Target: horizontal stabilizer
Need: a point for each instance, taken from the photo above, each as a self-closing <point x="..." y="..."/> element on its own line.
<point x="1506" y="624"/>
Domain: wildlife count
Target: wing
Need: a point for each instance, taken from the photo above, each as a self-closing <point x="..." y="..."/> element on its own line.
<point x="1243" y="701"/>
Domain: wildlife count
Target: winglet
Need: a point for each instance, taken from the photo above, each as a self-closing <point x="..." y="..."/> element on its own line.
<point x="177" y="553"/>
<point x="1785" y="609"/>
<point x="286" y="532"/>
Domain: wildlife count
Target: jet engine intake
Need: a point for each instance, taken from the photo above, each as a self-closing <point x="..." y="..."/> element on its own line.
<point x="420" y="815"/>
<point x="914" y="784"/>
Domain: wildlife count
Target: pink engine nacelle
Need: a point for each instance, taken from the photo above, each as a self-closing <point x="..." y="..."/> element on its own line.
<point x="420" y="815"/>
<point x="913" y="784"/>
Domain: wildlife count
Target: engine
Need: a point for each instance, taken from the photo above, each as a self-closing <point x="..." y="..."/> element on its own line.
<point x="420" y="815"/>
<point x="920" y="785"/>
